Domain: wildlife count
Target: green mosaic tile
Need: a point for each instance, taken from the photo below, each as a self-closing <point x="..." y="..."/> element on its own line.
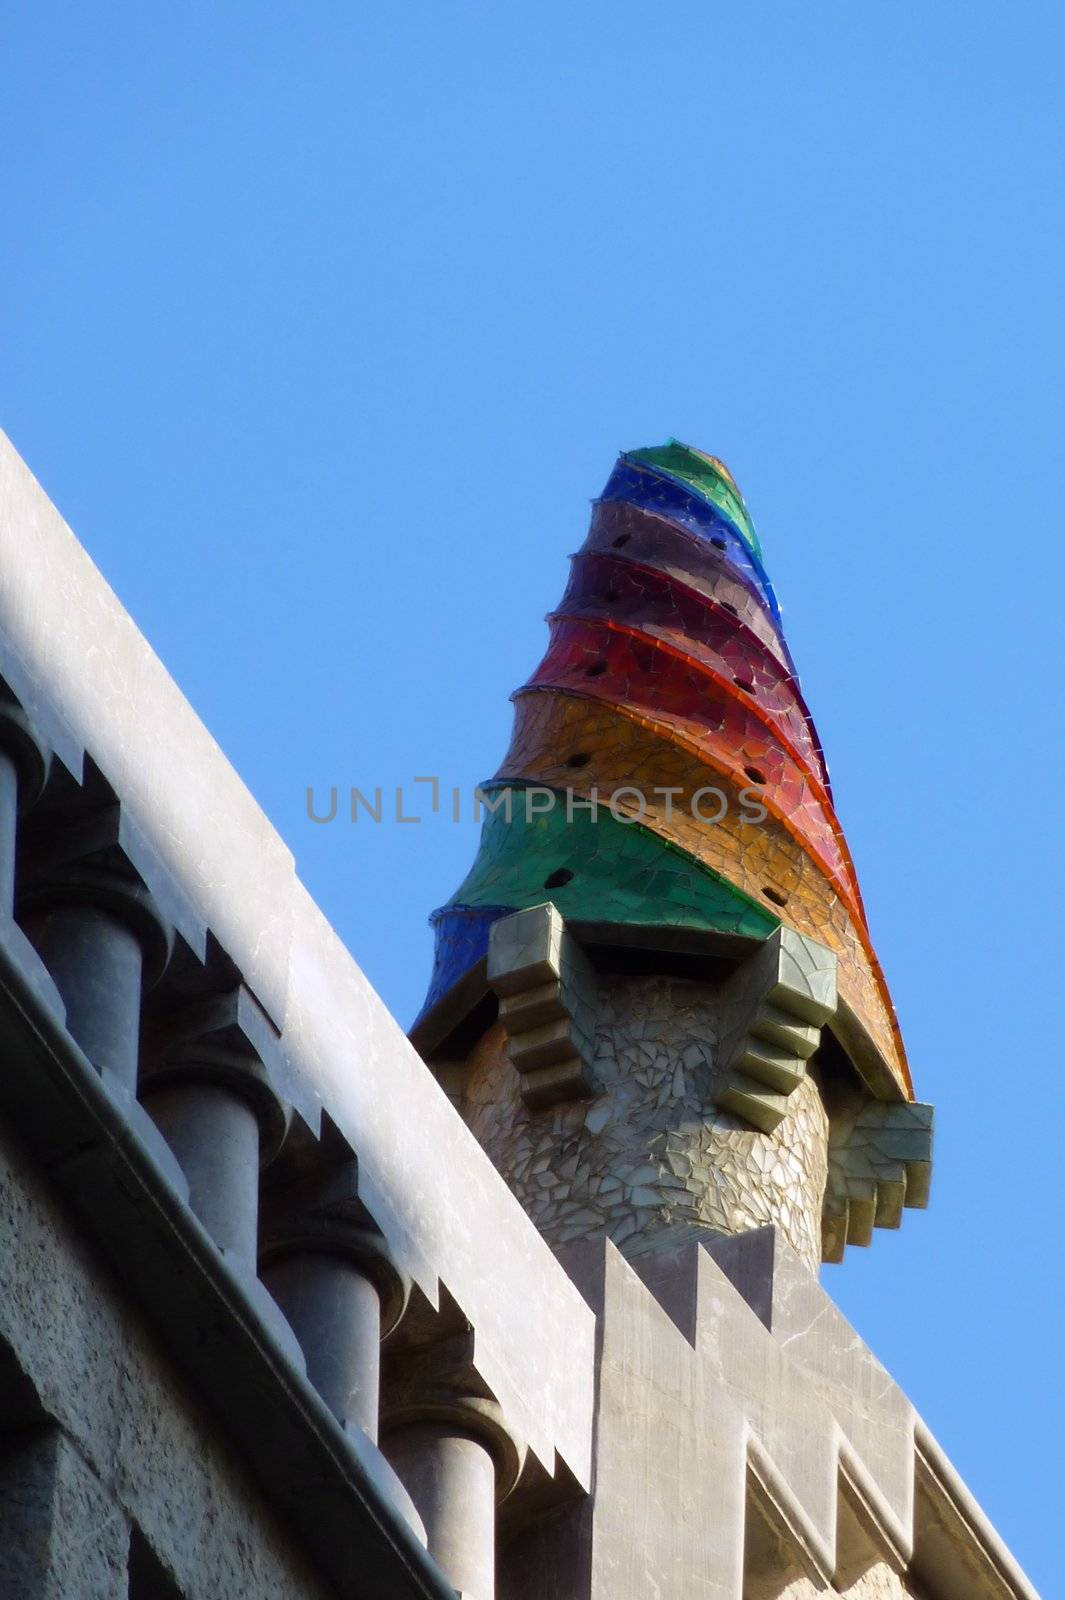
<point x="599" y="870"/>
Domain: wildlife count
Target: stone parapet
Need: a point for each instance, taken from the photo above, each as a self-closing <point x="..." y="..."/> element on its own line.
<point x="112" y="720"/>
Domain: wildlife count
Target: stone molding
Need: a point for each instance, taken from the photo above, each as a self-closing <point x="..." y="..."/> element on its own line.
<point x="220" y="1326"/>
<point x="439" y="1383"/>
<point x="330" y="1235"/>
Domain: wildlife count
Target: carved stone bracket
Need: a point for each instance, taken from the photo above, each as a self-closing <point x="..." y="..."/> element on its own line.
<point x="776" y="1005"/>
<point x="546" y="991"/>
<point x="100" y="932"/>
<point x="879" y="1160"/>
<point x="453" y="1450"/>
<point x="342" y="1293"/>
<point x="24" y="762"/>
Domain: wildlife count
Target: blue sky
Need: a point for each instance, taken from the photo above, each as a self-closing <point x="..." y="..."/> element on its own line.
<point x="323" y="323"/>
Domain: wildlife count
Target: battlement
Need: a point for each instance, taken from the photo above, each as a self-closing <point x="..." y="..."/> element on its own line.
<point x="749" y="1442"/>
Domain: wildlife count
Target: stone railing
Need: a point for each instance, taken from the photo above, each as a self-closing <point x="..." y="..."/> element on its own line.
<point x="188" y="1015"/>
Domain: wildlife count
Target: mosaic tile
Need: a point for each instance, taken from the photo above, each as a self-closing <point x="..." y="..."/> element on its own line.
<point x="659" y="492"/>
<point x="610" y="872"/>
<point x="633" y="533"/>
<point x="661" y="1178"/>
<point x="763" y="859"/>
<point x="708" y="476"/>
<point x="691" y="706"/>
<point x="666" y="669"/>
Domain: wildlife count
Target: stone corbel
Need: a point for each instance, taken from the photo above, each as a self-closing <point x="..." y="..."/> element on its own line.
<point x="546" y="991"/>
<point x="879" y="1160"/>
<point x="775" y="1006"/>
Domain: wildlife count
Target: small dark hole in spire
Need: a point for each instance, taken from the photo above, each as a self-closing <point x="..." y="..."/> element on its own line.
<point x="718" y="544"/>
<point x="622" y="538"/>
<point x="754" y="774"/>
<point x="743" y="683"/>
<point x="727" y="605"/>
<point x="775" y="895"/>
<point x="556" y="879"/>
<point x="596" y="669"/>
<point x="578" y="760"/>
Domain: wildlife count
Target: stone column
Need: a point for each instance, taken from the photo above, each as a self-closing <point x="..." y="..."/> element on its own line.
<point x="223" y="1120"/>
<point x="23" y="771"/>
<point x="97" y="931"/>
<point x="453" y="1450"/>
<point x="341" y="1293"/>
<point x="451" y="1477"/>
<point x="8" y="827"/>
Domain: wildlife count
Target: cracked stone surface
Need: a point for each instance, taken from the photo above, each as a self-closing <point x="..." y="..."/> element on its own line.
<point x="651" y="1158"/>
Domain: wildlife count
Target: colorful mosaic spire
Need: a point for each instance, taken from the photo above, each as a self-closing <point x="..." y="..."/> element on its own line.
<point x="664" y="771"/>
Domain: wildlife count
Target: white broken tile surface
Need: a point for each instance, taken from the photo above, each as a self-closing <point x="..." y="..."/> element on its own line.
<point x="652" y="1158"/>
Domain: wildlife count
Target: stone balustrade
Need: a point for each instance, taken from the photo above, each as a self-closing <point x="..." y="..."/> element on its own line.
<point x="223" y="882"/>
<point x="195" y="1065"/>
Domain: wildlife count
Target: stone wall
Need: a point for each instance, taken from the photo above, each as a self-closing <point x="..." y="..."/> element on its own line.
<point x="109" y="1443"/>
